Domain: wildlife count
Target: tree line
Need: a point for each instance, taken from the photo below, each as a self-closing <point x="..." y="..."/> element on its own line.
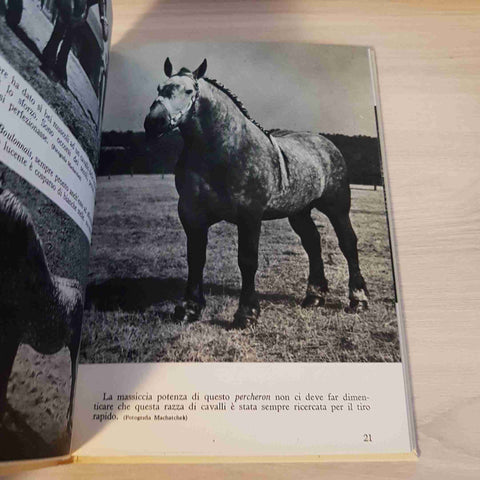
<point x="128" y="153"/>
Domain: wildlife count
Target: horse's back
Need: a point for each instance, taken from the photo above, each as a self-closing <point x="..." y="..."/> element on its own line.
<point x="314" y="167"/>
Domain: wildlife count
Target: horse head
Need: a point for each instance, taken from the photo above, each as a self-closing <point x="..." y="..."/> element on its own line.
<point x="175" y="100"/>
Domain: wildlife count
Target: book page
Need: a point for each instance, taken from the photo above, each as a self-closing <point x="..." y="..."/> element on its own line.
<point x="53" y="63"/>
<point x="242" y="299"/>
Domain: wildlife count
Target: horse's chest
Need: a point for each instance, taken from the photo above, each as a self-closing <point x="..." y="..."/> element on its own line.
<point x="221" y="192"/>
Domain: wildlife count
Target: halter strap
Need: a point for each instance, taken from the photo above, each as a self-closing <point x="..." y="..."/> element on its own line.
<point x="284" y="182"/>
<point x="174" y="120"/>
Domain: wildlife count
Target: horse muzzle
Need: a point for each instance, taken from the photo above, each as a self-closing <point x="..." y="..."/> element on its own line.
<point x="157" y="122"/>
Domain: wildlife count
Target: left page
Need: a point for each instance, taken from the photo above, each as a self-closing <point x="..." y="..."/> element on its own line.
<point x="53" y="69"/>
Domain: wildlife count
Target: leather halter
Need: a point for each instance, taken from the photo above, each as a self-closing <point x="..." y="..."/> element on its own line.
<point x="174" y="120"/>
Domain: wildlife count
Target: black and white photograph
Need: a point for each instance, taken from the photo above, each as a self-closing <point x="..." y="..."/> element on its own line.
<point x="43" y="264"/>
<point x="60" y="47"/>
<point x="240" y="211"/>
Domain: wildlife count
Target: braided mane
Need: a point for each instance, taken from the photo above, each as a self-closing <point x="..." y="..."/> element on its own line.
<point x="236" y="101"/>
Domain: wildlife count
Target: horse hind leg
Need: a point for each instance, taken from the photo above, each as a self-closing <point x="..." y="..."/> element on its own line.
<point x="317" y="287"/>
<point x="347" y="240"/>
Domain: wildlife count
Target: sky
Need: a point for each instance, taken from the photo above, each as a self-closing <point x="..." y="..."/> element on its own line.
<point x="294" y="86"/>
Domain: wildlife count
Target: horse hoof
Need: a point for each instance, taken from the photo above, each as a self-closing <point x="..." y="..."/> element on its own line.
<point x="245" y="317"/>
<point x="357" y="306"/>
<point x="358" y="300"/>
<point x="187" y="312"/>
<point x="313" y="301"/>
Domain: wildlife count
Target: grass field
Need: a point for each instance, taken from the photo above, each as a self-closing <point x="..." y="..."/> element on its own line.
<point x="138" y="270"/>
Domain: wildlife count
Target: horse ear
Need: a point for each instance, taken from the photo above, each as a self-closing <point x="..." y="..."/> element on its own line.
<point x="167" y="67"/>
<point x="200" y="71"/>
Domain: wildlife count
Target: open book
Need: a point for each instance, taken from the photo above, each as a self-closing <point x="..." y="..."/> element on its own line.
<point x="121" y="338"/>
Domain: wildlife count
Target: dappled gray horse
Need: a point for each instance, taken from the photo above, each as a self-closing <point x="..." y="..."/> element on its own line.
<point x="231" y="169"/>
<point x="36" y="307"/>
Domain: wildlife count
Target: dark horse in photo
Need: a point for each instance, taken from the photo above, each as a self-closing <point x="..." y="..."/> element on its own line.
<point x="36" y="307"/>
<point x="71" y="14"/>
<point x="232" y="169"/>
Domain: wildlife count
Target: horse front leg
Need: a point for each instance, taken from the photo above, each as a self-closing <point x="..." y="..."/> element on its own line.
<point x="248" y="239"/>
<point x="194" y="300"/>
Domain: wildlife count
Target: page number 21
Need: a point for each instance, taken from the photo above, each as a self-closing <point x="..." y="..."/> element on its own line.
<point x="367" y="437"/>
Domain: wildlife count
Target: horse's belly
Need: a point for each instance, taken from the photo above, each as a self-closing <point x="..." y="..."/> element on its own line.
<point x="292" y="201"/>
<point x="305" y="184"/>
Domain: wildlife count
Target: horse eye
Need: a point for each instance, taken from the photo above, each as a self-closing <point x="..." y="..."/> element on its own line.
<point x="188" y="92"/>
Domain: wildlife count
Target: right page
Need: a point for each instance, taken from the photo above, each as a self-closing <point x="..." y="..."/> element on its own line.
<point x="242" y="299"/>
